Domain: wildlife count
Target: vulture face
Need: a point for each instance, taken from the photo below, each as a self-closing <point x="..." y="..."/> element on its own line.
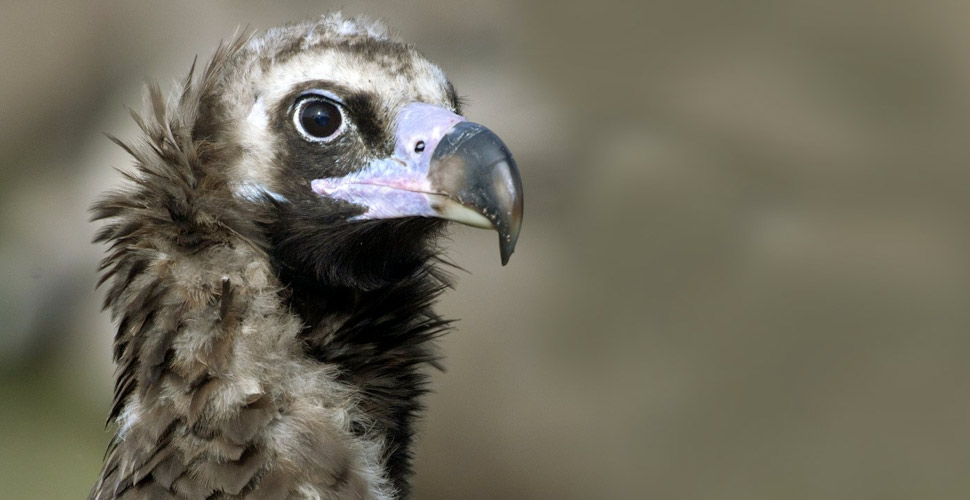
<point x="271" y="267"/>
<point x="355" y="145"/>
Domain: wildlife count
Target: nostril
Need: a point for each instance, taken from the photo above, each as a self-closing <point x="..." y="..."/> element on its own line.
<point x="419" y="147"/>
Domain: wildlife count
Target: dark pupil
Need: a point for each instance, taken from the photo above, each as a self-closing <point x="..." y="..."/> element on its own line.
<point x="320" y="119"/>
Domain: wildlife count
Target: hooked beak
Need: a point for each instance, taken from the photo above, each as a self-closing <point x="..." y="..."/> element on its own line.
<point x="479" y="181"/>
<point x="442" y="166"/>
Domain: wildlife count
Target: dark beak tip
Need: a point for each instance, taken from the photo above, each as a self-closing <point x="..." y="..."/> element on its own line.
<point x="476" y="168"/>
<point x="506" y="249"/>
<point x="508" y="240"/>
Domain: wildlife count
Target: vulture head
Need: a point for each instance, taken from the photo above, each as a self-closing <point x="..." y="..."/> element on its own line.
<point x="273" y="260"/>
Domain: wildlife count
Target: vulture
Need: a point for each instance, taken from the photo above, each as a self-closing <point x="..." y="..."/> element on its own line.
<point x="273" y="259"/>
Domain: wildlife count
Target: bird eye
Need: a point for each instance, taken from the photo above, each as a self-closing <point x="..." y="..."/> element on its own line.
<point x="318" y="119"/>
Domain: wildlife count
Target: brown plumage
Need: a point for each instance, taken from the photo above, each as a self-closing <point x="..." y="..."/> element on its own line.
<point x="271" y="337"/>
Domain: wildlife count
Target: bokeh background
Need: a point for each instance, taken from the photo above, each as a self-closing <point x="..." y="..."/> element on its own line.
<point x="743" y="271"/>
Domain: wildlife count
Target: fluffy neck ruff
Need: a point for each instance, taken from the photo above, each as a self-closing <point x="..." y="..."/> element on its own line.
<point x="380" y="340"/>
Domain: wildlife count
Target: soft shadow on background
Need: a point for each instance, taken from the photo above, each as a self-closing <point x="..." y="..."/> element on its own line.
<point x="742" y="274"/>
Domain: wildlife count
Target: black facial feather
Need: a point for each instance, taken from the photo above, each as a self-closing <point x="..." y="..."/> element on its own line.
<point x="373" y="129"/>
<point x="314" y="241"/>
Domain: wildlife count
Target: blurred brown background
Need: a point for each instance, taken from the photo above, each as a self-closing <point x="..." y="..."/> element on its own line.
<point x="743" y="270"/>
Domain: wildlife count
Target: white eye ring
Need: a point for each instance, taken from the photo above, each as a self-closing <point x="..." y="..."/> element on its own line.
<point x="318" y="117"/>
